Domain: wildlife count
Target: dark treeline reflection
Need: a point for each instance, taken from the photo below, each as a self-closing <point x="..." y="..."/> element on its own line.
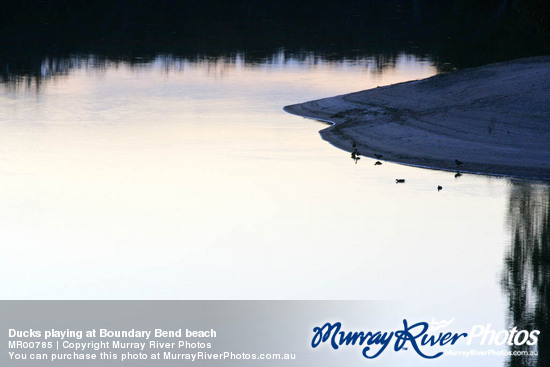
<point x="526" y="277"/>
<point x="454" y="33"/>
<point x="55" y="67"/>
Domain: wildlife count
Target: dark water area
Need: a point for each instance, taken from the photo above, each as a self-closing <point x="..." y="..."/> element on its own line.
<point x="452" y="34"/>
<point x="526" y="278"/>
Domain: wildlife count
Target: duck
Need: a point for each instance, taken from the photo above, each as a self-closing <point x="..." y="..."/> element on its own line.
<point x="377" y="163"/>
<point x="439" y="188"/>
<point x="399" y="180"/>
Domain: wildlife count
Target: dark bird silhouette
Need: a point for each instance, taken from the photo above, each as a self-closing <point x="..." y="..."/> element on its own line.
<point x="355" y="155"/>
<point x="399" y="180"/>
<point x="458" y="174"/>
<point x="458" y="163"/>
<point x="378" y="163"/>
<point x="439" y="188"/>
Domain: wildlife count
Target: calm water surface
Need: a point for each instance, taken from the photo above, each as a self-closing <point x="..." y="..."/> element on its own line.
<point x="178" y="179"/>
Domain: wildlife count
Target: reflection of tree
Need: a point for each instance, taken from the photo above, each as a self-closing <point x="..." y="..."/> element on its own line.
<point x="526" y="277"/>
<point x="453" y="33"/>
<point x="36" y="72"/>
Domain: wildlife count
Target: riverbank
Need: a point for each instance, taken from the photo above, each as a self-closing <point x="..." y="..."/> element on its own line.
<point x="494" y="119"/>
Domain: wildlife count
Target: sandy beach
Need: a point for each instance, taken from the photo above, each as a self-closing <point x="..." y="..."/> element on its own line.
<point x="495" y="119"/>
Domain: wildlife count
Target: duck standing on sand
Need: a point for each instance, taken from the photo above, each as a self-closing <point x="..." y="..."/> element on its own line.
<point x="355" y="155"/>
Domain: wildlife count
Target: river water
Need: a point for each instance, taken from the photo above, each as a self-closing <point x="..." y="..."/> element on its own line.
<point x="175" y="178"/>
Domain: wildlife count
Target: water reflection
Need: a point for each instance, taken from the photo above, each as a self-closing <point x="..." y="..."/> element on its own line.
<point x="33" y="76"/>
<point x="526" y="278"/>
<point x="455" y="34"/>
<point x="32" y="72"/>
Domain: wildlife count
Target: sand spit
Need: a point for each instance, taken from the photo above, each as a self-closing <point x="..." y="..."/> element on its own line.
<point x="495" y="119"/>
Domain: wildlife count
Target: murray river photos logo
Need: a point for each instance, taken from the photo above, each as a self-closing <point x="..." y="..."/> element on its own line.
<point x="422" y="337"/>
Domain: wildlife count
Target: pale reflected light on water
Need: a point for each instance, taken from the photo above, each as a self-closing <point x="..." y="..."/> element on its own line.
<point x="179" y="179"/>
